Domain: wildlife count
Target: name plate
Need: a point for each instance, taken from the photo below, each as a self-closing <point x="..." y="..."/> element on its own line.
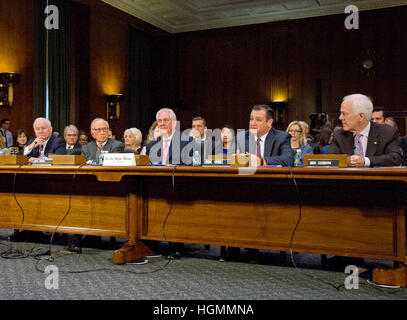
<point x="326" y="160"/>
<point x="119" y="159"/>
<point x="323" y="163"/>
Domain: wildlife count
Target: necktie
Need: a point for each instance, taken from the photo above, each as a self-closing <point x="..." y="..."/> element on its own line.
<point x="165" y="151"/>
<point x="358" y="146"/>
<point x="258" y="148"/>
<point x="41" y="150"/>
<point x="99" y="147"/>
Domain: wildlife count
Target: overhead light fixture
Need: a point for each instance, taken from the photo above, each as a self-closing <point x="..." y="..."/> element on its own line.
<point x="7" y="81"/>
<point x="113" y="106"/>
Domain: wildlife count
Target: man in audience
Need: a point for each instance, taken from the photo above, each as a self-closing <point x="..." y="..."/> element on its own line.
<point x="402" y="140"/>
<point x="368" y="144"/>
<point x="198" y="132"/>
<point x="267" y="145"/>
<point x="44" y="142"/>
<point x="4" y="130"/>
<point x="171" y="146"/>
<point x="71" y="135"/>
<point x="99" y="129"/>
<point x="378" y="115"/>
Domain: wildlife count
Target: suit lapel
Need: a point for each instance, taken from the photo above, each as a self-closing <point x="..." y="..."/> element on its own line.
<point x="269" y="143"/>
<point x="372" y="140"/>
<point x="49" y="144"/>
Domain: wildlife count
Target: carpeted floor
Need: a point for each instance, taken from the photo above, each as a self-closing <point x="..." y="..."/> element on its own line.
<point x="197" y="275"/>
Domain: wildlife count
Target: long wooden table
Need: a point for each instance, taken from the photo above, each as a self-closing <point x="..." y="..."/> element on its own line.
<point x="344" y="211"/>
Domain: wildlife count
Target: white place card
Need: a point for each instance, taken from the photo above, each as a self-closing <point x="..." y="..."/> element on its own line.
<point x="119" y="159"/>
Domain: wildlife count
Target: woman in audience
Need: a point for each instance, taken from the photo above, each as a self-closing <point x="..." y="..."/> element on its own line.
<point x="21" y="141"/>
<point x="298" y="138"/>
<point x="83" y="137"/>
<point x="228" y="140"/>
<point x="152" y="133"/>
<point x="132" y="140"/>
<point x="324" y="140"/>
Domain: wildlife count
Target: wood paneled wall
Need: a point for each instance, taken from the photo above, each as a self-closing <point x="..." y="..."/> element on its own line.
<point x="17" y="55"/>
<point x="218" y="74"/>
<point x="222" y="73"/>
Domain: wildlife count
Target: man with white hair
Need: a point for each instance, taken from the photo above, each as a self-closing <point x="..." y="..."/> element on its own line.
<point x="99" y="128"/>
<point x="169" y="148"/>
<point x="44" y="140"/>
<point x="369" y="144"/>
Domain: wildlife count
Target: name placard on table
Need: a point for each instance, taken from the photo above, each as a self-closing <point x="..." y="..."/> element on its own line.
<point x="119" y="159"/>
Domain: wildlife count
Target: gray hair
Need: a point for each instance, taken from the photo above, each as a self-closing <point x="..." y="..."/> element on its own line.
<point x="72" y="128"/>
<point x="136" y="132"/>
<point x="98" y="119"/>
<point x="170" y="111"/>
<point x="42" y="119"/>
<point x="360" y="104"/>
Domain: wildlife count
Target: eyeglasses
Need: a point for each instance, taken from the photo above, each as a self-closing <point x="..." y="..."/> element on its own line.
<point x="294" y="131"/>
<point x="100" y="129"/>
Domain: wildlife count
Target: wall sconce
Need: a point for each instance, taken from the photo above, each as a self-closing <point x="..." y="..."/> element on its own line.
<point x="7" y="81"/>
<point x="113" y="106"/>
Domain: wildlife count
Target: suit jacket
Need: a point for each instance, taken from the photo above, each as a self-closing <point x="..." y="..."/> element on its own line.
<point x="277" y="148"/>
<point x="55" y="145"/>
<point x="180" y="151"/>
<point x="91" y="152"/>
<point x="77" y="149"/>
<point x="383" y="148"/>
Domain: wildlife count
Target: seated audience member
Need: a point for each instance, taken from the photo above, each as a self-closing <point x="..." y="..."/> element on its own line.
<point x="298" y="138"/>
<point x="402" y="140"/>
<point x="21" y="141"/>
<point x="44" y="141"/>
<point x="152" y="133"/>
<point x="71" y="136"/>
<point x="199" y="133"/>
<point x="111" y="134"/>
<point x="132" y="140"/>
<point x="324" y="139"/>
<point x="169" y="147"/>
<point x="368" y="143"/>
<point x="266" y="144"/>
<point x="378" y="115"/>
<point x="100" y="132"/>
<point x="83" y="138"/>
<point x="310" y="139"/>
<point x="228" y="140"/>
<point x="6" y="133"/>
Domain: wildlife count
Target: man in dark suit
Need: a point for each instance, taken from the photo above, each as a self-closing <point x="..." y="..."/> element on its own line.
<point x="369" y="144"/>
<point x="267" y="146"/>
<point x="171" y="147"/>
<point x="44" y="142"/>
<point x="71" y="135"/>
<point x="99" y="129"/>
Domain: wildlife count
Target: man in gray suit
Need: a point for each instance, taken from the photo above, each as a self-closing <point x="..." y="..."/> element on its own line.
<point x="99" y="129"/>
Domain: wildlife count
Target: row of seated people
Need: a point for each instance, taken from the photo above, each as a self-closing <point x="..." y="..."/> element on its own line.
<point x="368" y="143"/>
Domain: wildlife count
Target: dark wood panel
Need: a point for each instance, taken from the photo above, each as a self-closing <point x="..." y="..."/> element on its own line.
<point x="17" y="55"/>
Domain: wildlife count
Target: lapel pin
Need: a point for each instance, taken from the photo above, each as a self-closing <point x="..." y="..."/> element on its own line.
<point x="374" y="142"/>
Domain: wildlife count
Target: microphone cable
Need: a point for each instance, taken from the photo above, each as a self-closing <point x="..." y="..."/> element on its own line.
<point x="48" y="253"/>
<point x="295" y="229"/>
<point x="14" y="193"/>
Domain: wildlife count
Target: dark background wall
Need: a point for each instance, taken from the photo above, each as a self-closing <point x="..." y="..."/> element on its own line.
<point x="218" y="74"/>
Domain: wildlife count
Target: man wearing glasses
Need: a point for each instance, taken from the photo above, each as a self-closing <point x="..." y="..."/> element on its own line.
<point x="99" y="129"/>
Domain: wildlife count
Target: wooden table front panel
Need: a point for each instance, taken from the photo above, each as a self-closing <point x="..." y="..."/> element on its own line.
<point x="351" y="218"/>
<point x="96" y="208"/>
